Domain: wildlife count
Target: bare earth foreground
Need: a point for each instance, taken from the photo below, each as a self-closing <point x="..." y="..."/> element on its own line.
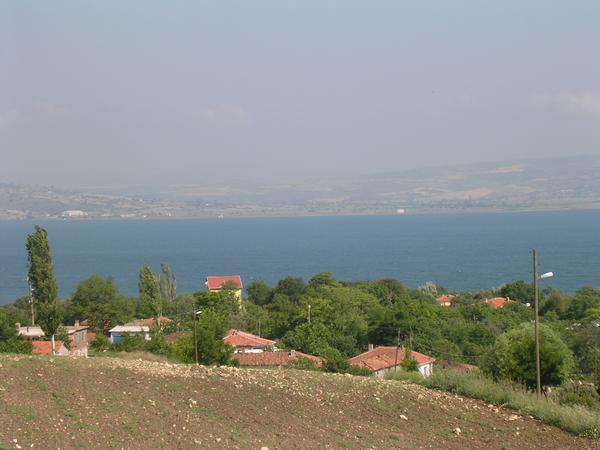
<point x="116" y="403"/>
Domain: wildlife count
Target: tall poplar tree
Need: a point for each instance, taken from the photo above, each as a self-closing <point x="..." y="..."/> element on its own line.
<point x="150" y="298"/>
<point x="168" y="284"/>
<point x="43" y="282"/>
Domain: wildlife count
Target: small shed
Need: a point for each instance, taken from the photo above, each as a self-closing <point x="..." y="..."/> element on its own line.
<point x="117" y="333"/>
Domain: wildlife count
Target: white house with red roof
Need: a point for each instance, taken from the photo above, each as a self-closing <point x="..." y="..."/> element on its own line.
<point x="218" y="283"/>
<point x="382" y="360"/>
<point x="243" y="342"/>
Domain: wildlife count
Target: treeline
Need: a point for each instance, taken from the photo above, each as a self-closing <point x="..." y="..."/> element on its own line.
<point x="338" y="319"/>
<point x="334" y="319"/>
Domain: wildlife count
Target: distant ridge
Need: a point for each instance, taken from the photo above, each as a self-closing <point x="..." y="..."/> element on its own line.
<point x="558" y="183"/>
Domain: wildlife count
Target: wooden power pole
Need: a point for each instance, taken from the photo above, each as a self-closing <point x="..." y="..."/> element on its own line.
<point x="538" y="370"/>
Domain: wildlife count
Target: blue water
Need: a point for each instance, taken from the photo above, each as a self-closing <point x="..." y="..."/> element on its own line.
<point x="460" y="252"/>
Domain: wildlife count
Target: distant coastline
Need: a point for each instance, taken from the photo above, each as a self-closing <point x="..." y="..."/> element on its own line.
<point x="299" y="213"/>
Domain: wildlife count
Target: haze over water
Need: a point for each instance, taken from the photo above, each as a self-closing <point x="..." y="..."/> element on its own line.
<point x="460" y="252"/>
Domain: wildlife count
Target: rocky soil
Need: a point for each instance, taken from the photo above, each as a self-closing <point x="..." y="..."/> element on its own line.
<point x="115" y="403"/>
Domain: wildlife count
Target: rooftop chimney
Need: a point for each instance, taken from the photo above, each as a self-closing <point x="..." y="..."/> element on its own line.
<point x="293" y="353"/>
<point x="370" y="347"/>
<point x="77" y="323"/>
<point x="18" y="326"/>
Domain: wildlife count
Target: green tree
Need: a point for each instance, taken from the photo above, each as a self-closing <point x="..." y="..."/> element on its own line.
<point x="292" y="287"/>
<point x="210" y="329"/>
<point x="19" y="311"/>
<point x="223" y="302"/>
<point x="586" y="298"/>
<point x="259" y="292"/>
<point x="9" y="341"/>
<point x="98" y="300"/>
<point x="168" y="284"/>
<point x="520" y="291"/>
<point x="387" y="290"/>
<point x="43" y="282"/>
<point x="513" y="357"/>
<point x="322" y="279"/>
<point x="556" y="302"/>
<point x="312" y="338"/>
<point x="150" y="299"/>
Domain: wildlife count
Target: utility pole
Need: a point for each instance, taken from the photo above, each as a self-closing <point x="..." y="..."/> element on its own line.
<point x="195" y="334"/>
<point x="397" y="350"/>
<point x="308" y="313"/>
<point x="538" y="376"/>
<point x="31" y="302"/>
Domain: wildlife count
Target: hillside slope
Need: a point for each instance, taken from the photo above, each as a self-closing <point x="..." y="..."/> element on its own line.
<point x="116" y="403"/>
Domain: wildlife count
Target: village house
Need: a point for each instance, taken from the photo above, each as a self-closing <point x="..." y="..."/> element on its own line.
<point x="78" y="340"/>
<point x="218" y="283"/>
<point x="243" y="342"/>
<point x="274" y="359"/>
<point x="445" y="300"/>
<point x="60" y="349"/>
<point x="117" y="333"/>
<point x="382" y="360"/>
<point x="497" y="302"/>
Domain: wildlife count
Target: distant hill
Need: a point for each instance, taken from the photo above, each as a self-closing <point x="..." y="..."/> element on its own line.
<point x="518" y="185"/>
<point x="105" y="402"/>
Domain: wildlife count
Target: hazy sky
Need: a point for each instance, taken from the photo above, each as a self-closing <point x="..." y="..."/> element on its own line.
<point x="96" y="93"/>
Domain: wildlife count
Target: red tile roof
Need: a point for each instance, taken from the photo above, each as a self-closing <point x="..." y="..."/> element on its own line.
<point x="266" y="359"/>
<point x="240" y="339"/>
<point x="150" y="322"/>
<point x="497" y="302"/>
<point x="385" y="357"/>
<point x="446" y="298"/>
<point x="215" y="283"/>
<point x="45" y="347"/>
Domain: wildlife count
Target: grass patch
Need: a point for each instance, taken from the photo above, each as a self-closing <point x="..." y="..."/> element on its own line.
<point x="575" y="419"/>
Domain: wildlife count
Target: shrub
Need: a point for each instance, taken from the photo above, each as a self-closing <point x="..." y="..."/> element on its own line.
<point x="410" y="365"/>
<point x="583" y="395"/>
<point x="576" y="419"/>
<point x="513" y="357"/>
<point x="15" y="345"/>
<point x="101" y="343"/>
<point x="130" y="344"/>
<point x="335" y="362"/>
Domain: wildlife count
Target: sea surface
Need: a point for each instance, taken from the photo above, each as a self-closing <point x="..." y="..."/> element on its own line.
<point x="460" y="251"/>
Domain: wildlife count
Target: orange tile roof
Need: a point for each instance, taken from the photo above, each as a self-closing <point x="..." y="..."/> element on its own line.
<point x="237" y="338"/>
<point x="497" y="302"/>
<point x="385" y="357"/>
<point x="218" y="282"/>
<point x="266" y="359"/>
<point x="446" y="298"/>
